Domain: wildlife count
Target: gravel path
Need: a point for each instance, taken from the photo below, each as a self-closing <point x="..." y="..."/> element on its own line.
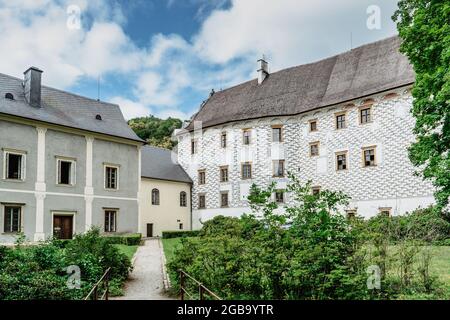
<point x="146" y="280"/>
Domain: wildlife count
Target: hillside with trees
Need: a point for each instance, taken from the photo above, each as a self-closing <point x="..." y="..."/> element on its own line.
<point x="157" y="132"/>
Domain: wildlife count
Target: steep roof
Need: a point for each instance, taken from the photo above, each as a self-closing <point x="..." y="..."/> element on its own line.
<point x="369" y="69"/>
<point x="157" y="163"/>
<point x="66" y="109"/>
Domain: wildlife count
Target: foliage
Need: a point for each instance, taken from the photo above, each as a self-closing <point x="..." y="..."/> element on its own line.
<point x="307" y="251"/>
<point x="157" y="132"/>
<point x="133" y="239"/>
<point x="40" y="271"/>
<point x="426" y="225"/>
<point x="181" y="233"/>
<point x="425" y="29"/>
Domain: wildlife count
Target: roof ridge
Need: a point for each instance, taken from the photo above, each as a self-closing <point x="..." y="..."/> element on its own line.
<point x="63" y="91"/>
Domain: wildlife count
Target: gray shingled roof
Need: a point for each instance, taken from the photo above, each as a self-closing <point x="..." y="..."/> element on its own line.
<point x="369" y="69"/>
<point x="66" y="109"/>
<point x="157" y="163"/>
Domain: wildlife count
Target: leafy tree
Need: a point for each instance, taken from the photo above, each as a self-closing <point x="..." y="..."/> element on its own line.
<point x="157" y="132"/>
<point x="424" y="26"/>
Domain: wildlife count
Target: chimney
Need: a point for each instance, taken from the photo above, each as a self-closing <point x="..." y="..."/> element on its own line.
<point x="263" y="70"/>
<point x="32" y="86"/>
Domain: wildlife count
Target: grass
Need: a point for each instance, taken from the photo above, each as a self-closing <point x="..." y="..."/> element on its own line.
<point x="127" y="250"/>
<point x="169" y="246"/>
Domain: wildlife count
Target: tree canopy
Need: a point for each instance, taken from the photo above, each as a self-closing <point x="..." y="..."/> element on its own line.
<point x="157" y="132"/>
<point x="424" y="26"/>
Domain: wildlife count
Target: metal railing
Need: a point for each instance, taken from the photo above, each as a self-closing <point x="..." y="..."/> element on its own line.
<point x="102" y="284"/>
<point x="202" y="290"/>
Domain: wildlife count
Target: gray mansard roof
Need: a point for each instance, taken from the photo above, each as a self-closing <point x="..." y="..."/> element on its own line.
<point x="66" y="109"/>
<point x="157" y="163"/>
<point x="366" y="70"/>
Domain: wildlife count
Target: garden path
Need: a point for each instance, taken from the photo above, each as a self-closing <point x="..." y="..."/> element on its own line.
<point x="146" y="280"/>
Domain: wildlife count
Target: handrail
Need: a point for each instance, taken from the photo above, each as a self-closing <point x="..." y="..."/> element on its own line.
<point x="93" y="294"/>
<point x="201" y="288"/>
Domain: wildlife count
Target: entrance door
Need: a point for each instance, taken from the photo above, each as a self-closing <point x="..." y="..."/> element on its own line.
<point x="63" y="227"/>
<point x="149" y="230"/>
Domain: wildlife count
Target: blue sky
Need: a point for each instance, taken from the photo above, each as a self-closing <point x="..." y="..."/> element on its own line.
<point x="163" y="57"/>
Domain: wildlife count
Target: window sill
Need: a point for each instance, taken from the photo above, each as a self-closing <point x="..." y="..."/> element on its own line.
<point x="108" y="189"/>
<point x="65" y="185"/>
<point x="14" y="180"/>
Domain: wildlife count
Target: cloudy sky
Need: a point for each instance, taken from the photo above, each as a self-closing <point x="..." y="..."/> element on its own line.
<point x="163" y="57"/>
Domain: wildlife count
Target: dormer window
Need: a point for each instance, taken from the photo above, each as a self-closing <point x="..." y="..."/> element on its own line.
<point x="9" y="96"/>
<point x="98" y="117"/>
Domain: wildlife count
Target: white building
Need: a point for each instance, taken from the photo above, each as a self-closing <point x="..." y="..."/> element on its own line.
<point x="343" y="122"/>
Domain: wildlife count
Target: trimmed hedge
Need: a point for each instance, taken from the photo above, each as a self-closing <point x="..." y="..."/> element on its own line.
<point x="133" y="239"/>
<point x="180" y="234"/>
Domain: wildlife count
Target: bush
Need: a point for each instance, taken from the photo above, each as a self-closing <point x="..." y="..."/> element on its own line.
<point x="426" y="225"/>
<point x="39" y="272"/>
<point x="179" y="234"/>
<point x="308" y="252"/>
<point x="133" y="239"/>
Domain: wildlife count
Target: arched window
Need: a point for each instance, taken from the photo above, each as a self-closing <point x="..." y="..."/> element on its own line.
<point x="183" y="200"/>
<point x="155" y="197"/>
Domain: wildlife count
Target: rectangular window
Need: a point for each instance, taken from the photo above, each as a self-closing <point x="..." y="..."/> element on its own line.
<point x="224" y="199"/>
<point x="365" y="115"/>
<point x="385" y="211"/>
<point x="278" y="168"/>
<point x="201" y="177"/>
<point x="180" y="226"/>
<point x="111" y="177"/>
<point x="315" y="190"/>
<point x="314" y="149"/>
<point x="277" y="134"/>
<point x="202" y="201"/>
<point x="223" y="174"/>
<point x="351" y="213"/>
<point x="246" y="170"/>
<point x="110" y="220"/>
<point x="223" y="140"/>
<point x="341" y="161"/>
<point x="14" y="165"/>
<point x="279" y="196"/>
<point x="246" y="134"/>
<point x="340" y="121"/>
<point x="369" y="157"/>
<point x="193" y="146"/>
<point x="12" y="217"/>
<point x="312" y="125"/>
<point x="66" y="171"/>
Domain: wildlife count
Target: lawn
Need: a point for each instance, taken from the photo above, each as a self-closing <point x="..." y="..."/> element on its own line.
<point x="169" y="246"/>
<point x="127" y="250"/>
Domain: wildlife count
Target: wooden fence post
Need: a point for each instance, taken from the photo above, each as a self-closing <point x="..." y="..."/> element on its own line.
<point x="182" y="284"/>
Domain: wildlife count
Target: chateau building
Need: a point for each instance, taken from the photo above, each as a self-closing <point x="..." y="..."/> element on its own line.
<point x="343" y="122"/>
<point x="68" y="163"/>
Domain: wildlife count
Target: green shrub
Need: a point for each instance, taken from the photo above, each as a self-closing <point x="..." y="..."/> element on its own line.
<point x="133" y="239"/>
<point x="427" y="225"/>
<point x="179" y="234"/>
<point x="39" y="272"/>
<point x="307" y="252"/>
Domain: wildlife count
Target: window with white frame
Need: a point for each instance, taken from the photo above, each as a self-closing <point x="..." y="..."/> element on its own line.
<point x="155" y="197"/>
<point x="12" y="218"/>
<point x="277" y="134"/>
<point x="110" y="220"/>
<point x="246" y="170"/>
<point x="341" y="161"/>
<point x="111" y="177"/>
<point x="66" y="171"/>
<point x="14" y="165"/>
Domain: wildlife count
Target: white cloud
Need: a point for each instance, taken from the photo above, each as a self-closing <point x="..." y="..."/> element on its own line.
<point x="131" y="109"/>
<point x="290" y="32"/>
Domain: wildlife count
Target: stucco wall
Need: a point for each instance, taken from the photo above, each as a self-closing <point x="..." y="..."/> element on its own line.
<point x="70" y="200"/>
<point x="168" y="214"/>
<point x="390" y="183"/>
